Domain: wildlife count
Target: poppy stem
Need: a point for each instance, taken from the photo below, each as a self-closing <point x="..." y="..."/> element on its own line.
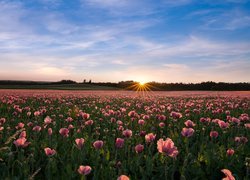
<point x="49" y="167"/>
<point x="165" y="170"/>
<point x="83" y="177"/>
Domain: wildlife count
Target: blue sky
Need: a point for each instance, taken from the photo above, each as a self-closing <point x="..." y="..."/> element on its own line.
<point x="114" y="40"/>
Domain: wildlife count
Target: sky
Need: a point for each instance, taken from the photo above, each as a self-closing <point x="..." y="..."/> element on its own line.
<point x="118" y="40"/>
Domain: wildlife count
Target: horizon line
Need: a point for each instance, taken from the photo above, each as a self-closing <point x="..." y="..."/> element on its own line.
<point x="87" y="81"/>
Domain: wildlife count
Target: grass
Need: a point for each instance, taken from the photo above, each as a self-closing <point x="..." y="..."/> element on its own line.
<point x="60" y="87"/>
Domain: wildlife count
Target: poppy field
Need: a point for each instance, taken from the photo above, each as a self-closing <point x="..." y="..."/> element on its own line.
<point x="124" y="135"/>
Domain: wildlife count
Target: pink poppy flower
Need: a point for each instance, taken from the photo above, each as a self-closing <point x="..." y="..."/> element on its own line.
<point x="167" y="147"/>
<point x="37" y="128"/>
<point x="119" y="142"/>
<point x="216" y="121"/>
<point x="187" y="132"/>
<point x="98" y="144"/>
<point x="139" y="148"/>
<point x="21" y="142"/>
<point x="131" y="113"/>
<point x="214" y="134"/>
<point x="162" y="118"/>
<point x="78" y="130"/>
<point x="229" y="118"/>
<point x="235" y="120"/>
<point x="228" y="174"/>
<point x="196" y="111"/>
<point x="50" y="131"/>
<point x="49" y="152"/>
<point x="202" y="119"/>
<point x="85" y="115"/>
<point x="20" y="125"/>
<point x="247" y="125"/>
<point x="43" y="111"/>
<point x="237" y="139"/>
<point x="70" y="127"/>
<point x="143" y="133"/>
<point x="79" y="142"/>
<point x="223" y="125"/>
<point x="84" y="170"/>
<point x="190" y="124"/>
<point x="150" y="137"/>
<point x="89" y="122"/>
<point x="37" y="113"/>
<point x="141" y="122"/>
<point x="227" y="112"/>
<point x="64" y="132"/>
<point x="120" y="128"/>
<point x="2" y="121"/>
<point x="69" y="119"/>
<point x="230" y="152"/>
<point x="112" y="120"/>
<point x="23" y="134"/>
<point x="127" y="133"/>
<point x="161" y="124"/>
<point x="47" y="120"/>
<point x="123" y="177"/>
<point x="30" y="124"/>
<point x="176" y="115"/>
<point x="119" y="122"/>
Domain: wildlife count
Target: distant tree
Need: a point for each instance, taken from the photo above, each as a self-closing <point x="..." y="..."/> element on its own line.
<point x="84" y="81"/>
<point x="90" y="81"/>
<point x="65" y="82"/>
<point x="126" y="84"/>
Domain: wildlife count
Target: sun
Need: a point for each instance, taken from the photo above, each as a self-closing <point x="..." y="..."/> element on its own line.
<point x="141" y="83"/>
<point x="140" y="86"/>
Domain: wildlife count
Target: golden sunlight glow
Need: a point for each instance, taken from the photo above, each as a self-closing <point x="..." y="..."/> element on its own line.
<point x="141" y="86"/>
<point x="142" y="83"/>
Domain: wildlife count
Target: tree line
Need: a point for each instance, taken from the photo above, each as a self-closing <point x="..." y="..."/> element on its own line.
<point x="208" y="86"/>
<point x="130" y="85"/>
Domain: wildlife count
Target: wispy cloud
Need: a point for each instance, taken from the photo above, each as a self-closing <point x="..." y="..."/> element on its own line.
<point x="200" y="47"/>
<point x="108" y="3"/>
<point x="10" y="17"/>
<point x="119" y="62"/>
<point x="175" y="3"/>
<point x="54" y="22"/>
<point x="237" y="1"/>
<point x="122" y="8"/>
<point x="51" y="2"/>
<point x="178" y="67"/>
<point x="204" y="13"/>
<point x="229" y="20"/>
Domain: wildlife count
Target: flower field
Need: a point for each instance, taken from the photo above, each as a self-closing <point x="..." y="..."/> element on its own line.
<point x="124" y="135"/>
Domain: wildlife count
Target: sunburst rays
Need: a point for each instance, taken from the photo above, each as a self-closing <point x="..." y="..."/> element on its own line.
<point x="142" y="88"/>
